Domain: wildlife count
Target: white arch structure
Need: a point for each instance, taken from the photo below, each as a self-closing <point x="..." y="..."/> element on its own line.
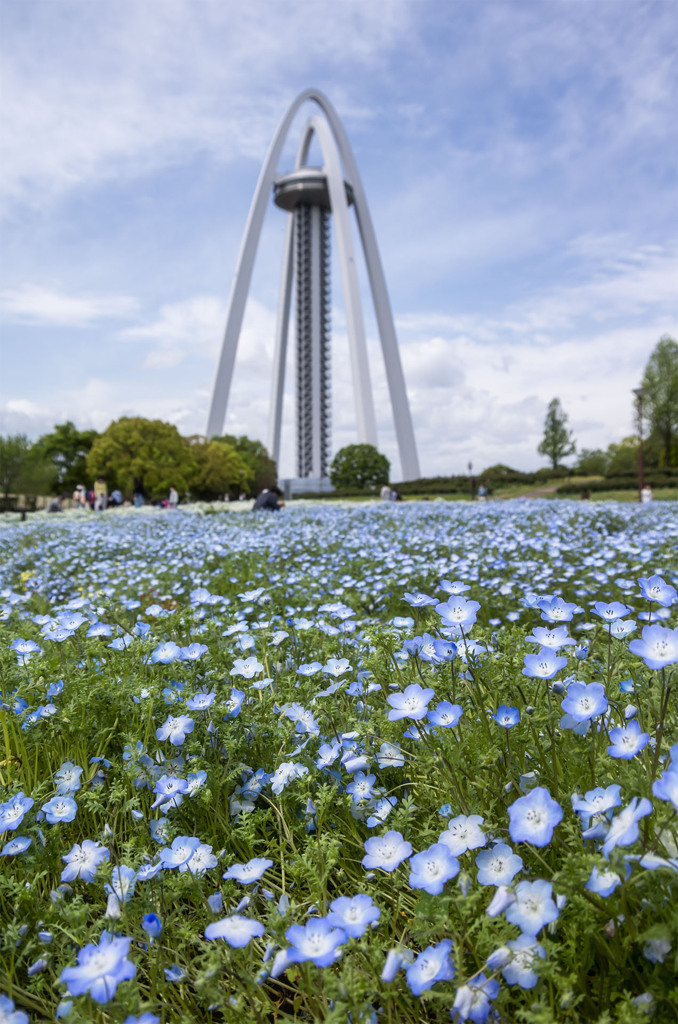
<point x="335" y="149"/>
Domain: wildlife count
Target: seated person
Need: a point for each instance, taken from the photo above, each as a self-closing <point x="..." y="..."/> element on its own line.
<point x="269" y="500"/>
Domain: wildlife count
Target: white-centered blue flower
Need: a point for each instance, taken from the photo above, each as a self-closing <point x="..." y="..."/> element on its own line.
<point x="250" y="872"/>
<point x="498" y="866"/>
<point x="533" y="908"/>
<point x="386" y="852"/>
<point x="623" y="830"/>
<point x="627" y="741"/>
<point x="236" y="930"/>
<point x="353" y="914"/>
<point x="83" y="860"/>
<point x="60" y="809"/>
<point x="533" y="817"/>
<point x="431" y="868"/>
<point x="317" y="941"/>
<point x="524" y="955"/>
<point x="100" y="969"/>
<point x="411" y="703"/>
<point x="175" y="729"/>
<point x="658" y="646"/>
<point x="433" y="964"/>
<point x="584" y="701"/>
<point x="543" y="665"/>
<point x="463" y="833"/>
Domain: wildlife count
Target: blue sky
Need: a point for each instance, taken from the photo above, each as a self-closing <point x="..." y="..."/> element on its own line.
<point x="519" y="161"/>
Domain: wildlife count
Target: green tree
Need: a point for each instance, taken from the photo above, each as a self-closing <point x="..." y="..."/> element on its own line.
<point x="219" y="469"/>
<point x="592" y="462"/>
<point x="14" y="458"/>
<point x="360" y="466"/>
<point x="557" y="442"/>
<point x="67" y="449"/>
<point x="255" y="455"/>
<point x="660" y="400"/>
<point x="149" y="450"/>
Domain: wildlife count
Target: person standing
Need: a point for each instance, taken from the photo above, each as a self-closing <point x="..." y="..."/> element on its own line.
<point x="173" y="498"/>
<point x="100" y="494"/>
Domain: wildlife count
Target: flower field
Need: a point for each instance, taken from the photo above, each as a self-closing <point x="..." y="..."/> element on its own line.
<point x="386" y="764"/>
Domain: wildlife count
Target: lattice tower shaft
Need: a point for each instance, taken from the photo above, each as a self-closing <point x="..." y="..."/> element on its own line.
<point x="312" y="309"/>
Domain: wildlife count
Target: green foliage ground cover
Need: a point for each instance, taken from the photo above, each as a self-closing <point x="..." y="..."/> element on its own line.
<point x="295" y="630"/>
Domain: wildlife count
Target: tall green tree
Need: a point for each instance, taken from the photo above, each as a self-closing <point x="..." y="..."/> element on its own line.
<point x="660" y="399"/>
<point x="67" y="448"/>
<point x="14" y="458"/>
<point x="255" y="455"/>
<point x="147" y="450"/>
<point x="360" y="466"/>
<point x="557" y="442"/>
<point x="219" y="469"/>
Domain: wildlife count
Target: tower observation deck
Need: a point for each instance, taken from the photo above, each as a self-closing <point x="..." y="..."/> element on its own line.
<point x="304" y="194"/>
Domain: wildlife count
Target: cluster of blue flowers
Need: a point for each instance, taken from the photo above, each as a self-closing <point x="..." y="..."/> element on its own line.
<point x="289" y="733"/>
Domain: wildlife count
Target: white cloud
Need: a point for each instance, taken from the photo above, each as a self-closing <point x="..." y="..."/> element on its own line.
<point x="37" y="305"/>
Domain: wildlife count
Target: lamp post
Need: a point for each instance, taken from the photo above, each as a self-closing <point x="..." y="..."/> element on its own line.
<point x="639" y="393"/>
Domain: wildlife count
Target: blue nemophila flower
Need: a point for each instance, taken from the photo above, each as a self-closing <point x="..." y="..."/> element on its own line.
<point x="543" y="665"/>
<point x="25" y="647"/>
<point x="555" y="638"/>
<point x="248" y="668"/>
<point x="353" y="914"/>
<point x="658" y="647"/>
<point x="533" y="907"/>
<point x="201" y="701"/>
<point x="235" y="702"/>
<point x="411" y="703"/>
<point x="581" y="651"/>
<point x="193" y="652"/>
<point x="445" y="650"/>
<point x="13" y="811"/>
<point x="361" y="787"/>
<point x="337" y="666"/>
<point x="202" y="860"/>
<point x="175" y="729"/>
<point x="174" y="973"/>
<point x="432" y="868"/>
<point x="666" y="786"/>
<point x="455" y="587"/>
<point x="169" y="790"/>
<point x="584" y="702"/>
<point x="160" y="829"/>
<point x="8" y="1015"/>
<point x="506" y="717"/>
<point x="15" y="846"/>
<point x="555" y="609"/>
<point x="498" y="866"/>
<point x="627" y="741"/>
<point x="327" y="754"/>
<point x="654" y="588"/>
<point x="309" y="669"/>
<point x="144" y="1018"/>
<point x="248" y="873"/>
<point x="100" y="969"/>
<point x="522" y="956"/>
<point x="432" y="965"/>
<point x="317" y="941"/>
<point x="473" y="1000"/>
<point x="99" y="629"/>
<point x="165" y="653"/>
<point x="603" y="882"/>
<point x="458" y="613"/>
<point x="595" y="809"/>
<point x="390" y="756"/>
<point x="419" y="600"/>
<point x="610" y="611"/>
<point x="236" y="930"/>
<point x="83" y="860"/>
<point x="305" y="722"/>
<point x="622" y="628"/>
<point x="623" y="830"/>
<point x="60" y="809"/>
<point x="381" y="810"/>
<point x="68" y="778"/>
<point x="286" y="773"/>
<point x="386" y="852"/>
<point x="655" y="950"/>
<point x="427" y="648"/>
<point x="463" y="833"/>
<point x="179" y="854"/>
<point x="445" y="714"/>
<point x="152" y="925"/>
<point x="534" y="817"/>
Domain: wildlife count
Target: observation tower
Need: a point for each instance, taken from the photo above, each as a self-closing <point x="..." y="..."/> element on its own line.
<point x="313" y="197"/>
